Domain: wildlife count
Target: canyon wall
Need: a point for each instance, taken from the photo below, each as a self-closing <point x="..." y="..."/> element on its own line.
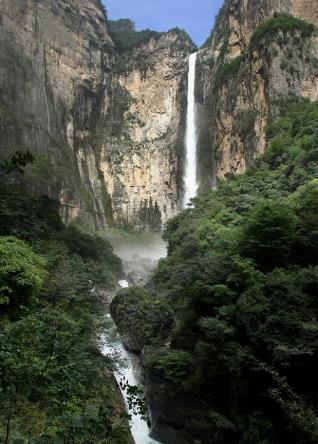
<point x="244" y="76"/>
<point x="141" y="156"/>
<point x="106" y="128"/>
<point x="55" y="59"/>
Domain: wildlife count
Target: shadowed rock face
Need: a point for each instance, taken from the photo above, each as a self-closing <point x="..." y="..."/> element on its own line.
<point x="106" y="128"/>
<point x="54" y="62"/>
<point x="235" y="101"/>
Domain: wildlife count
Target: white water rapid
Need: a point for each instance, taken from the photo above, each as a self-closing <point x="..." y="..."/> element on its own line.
<point x="131" y="373"/>
<point x="139" y="256"/>
<point x="190" y="172"/>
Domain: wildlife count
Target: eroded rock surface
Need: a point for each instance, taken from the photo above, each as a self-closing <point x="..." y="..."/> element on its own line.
<point x="106" y="128"/>
<point x="240" y="86"/>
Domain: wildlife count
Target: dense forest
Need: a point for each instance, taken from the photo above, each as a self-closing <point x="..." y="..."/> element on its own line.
<point x="55" y="385"/>
<point x="240" y="283"/>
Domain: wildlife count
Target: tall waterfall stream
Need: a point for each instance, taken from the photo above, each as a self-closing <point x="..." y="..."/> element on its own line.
<point x="137" y="256"/>
<point x="190" y="171"/>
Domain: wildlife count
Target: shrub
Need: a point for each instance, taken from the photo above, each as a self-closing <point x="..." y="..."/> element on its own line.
<point x="175" y="365"/>
<point x="241" y="276"/>
<point x="126" y="38"/>
<point x="269" y="234"/>
<point x="284" y="23"/>
<point x="226" y="70"/>
<point x="22" y="272"/>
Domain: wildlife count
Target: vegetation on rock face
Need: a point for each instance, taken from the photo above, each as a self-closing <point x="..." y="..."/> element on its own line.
<point x="16" y="162"/>
<point x="55" y="385"/>
<point x="126" y="38"/>
<point x="142" y="315"/>
<point x="280" y="23"/>
<point x="226" y="70"/>
<point x="218" y="20"/>
<point x="242" y="279"/>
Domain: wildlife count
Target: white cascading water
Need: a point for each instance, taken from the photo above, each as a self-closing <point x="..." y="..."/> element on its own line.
<point x="131" y="374"/>
<point x="136" y="253"/>
<point x="190" y="172"/>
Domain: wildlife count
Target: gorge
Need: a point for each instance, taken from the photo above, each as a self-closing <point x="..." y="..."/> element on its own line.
<point x="124" y="128"/>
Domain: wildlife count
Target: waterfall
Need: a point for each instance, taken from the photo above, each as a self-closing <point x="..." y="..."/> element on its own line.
<point x="190" y="172"/>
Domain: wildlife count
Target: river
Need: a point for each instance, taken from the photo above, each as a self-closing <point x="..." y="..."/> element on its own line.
<point x="139" y="255"/>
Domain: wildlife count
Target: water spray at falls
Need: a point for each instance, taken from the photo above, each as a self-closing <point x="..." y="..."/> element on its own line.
<point x="190" y="172"/>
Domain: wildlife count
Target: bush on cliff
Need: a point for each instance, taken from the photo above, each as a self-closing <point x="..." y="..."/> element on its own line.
<point x="142" y="316"/>
<point x="126" y="38"/>
<point x="281" y="23"/>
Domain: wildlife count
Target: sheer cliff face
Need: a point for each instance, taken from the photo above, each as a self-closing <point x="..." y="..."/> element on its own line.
<point x="54" y="59"/>
<point x="241" y="84"/>
<point x="105" y="129"/>
<point x="143" y="142"/>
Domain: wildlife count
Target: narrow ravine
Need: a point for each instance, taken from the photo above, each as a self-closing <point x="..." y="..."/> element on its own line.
<point x="130" y="373"/>
<point x="139" y="257"/>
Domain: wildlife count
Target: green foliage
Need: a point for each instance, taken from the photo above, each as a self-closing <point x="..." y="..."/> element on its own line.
<point x="226" y="70"/>
<point x="126" y="38"/>
<point x="21" y="273"/>
<point x="269" y="233"/>
<point x="281" y="23"/>
<point x="26" y="217"/>
<point x="16" y="162"/>
<point x="245" y="125"/>
<point x="306" y="202"/>
<point x="90" y="247"/>
<point x="242" y="278"/>
<point x="218" y="32"/>
<point x="54" y="384"/>
<point x="264" y="34"/>
<point x="175" y="365"/>
<point x="152" y="317"/>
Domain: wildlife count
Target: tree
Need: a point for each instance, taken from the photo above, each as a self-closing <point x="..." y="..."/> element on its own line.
<point x="21" y="273"/>
<point x="269" y="233"/>
<point x="307" y="211"/>
<point x="16" y="162"/>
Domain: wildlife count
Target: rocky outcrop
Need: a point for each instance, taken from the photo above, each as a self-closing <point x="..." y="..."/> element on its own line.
<point x="173" y="412"/>
<point x="242" y="82"/>
<point x="106" y="128"/>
